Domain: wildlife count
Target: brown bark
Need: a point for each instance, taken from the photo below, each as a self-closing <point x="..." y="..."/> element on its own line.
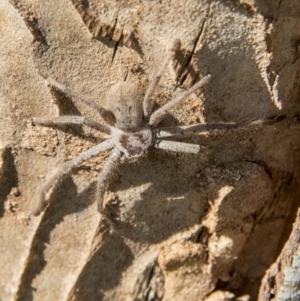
<point x="213" y="226"/>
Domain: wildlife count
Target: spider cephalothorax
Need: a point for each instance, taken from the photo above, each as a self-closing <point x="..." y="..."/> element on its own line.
<point x="130" y="134"/>
<point x="132" y="126"/>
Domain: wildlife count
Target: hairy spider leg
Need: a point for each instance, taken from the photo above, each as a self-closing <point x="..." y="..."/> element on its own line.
<point x="66" y="169"/>
<point x="74" y="120"/>
<point x="204" y="127"/>
<point x="104" y="176"/>
<point x="158" y="115"/>
<point x="179" y="147"/>
<point x="147" y="102"/>
<point x="105" y="114"/>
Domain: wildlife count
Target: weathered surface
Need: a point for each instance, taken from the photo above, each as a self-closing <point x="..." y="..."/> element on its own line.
<point x="206" y="226"/>
<point x="282" y="281"/>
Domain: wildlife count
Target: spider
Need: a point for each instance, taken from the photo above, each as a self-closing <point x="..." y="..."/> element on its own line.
<point x="132" y="128"/>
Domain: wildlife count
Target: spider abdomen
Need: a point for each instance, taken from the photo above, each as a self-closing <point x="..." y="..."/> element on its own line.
<point x="134" y="144"/>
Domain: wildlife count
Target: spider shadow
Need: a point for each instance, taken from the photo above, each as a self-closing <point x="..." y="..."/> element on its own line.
<point x="163" y="218"/>
<point x="271" y="10"/>
<point x="53" y="215"/>
<point x="170" y="203"/>
<point x="104" y="269"/>
<point x="173" y="202"/>
<point x="64" y="102"/>
<point x="103" y="258"/>
<point x="66" y="106"/>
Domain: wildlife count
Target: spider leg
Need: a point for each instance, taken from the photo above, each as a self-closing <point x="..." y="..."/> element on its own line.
<point x="204" y="127"/>
<point x="147" y="103"/>
<point x="65" y="169"/>
<point x="157" y="116"/>
<point x="105" y="114"/>
<point x="171" y="131"/>
<point x="179" y="147"/>
<point x="78" y="120"/>
<point x="104" y="177"/>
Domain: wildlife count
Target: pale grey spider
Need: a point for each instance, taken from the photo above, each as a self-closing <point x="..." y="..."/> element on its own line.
<point x="132" y="128"/>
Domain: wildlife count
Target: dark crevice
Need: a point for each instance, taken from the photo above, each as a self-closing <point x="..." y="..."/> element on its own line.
<point x="109" y="34"/>
<point x="8" y="177"/>
<point x="116" y="42"/>
<point x="196" y="43"/>
<point x="126" y="76"/>
<point x="148" y="282"/>
<point x="283" y="204"/>
<point x="114" y="27"/>
<point x="115" y="51"/>
<point x="183" y="78"/>
<point x="183" y="62"/>
<point x="284" y="184"/>
<point x="203" y="236"/>
<point x="221" y="285"/>
<point x="84" y="3"/>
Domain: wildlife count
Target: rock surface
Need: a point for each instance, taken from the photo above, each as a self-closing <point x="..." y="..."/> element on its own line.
<point x="187" y="227"/>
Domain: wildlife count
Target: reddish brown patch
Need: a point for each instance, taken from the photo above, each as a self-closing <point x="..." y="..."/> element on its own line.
<point x="132" y="150"/>
<point x="124" y="140"/>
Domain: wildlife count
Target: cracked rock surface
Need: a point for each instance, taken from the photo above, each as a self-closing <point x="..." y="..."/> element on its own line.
<point x="213" y="226"/>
